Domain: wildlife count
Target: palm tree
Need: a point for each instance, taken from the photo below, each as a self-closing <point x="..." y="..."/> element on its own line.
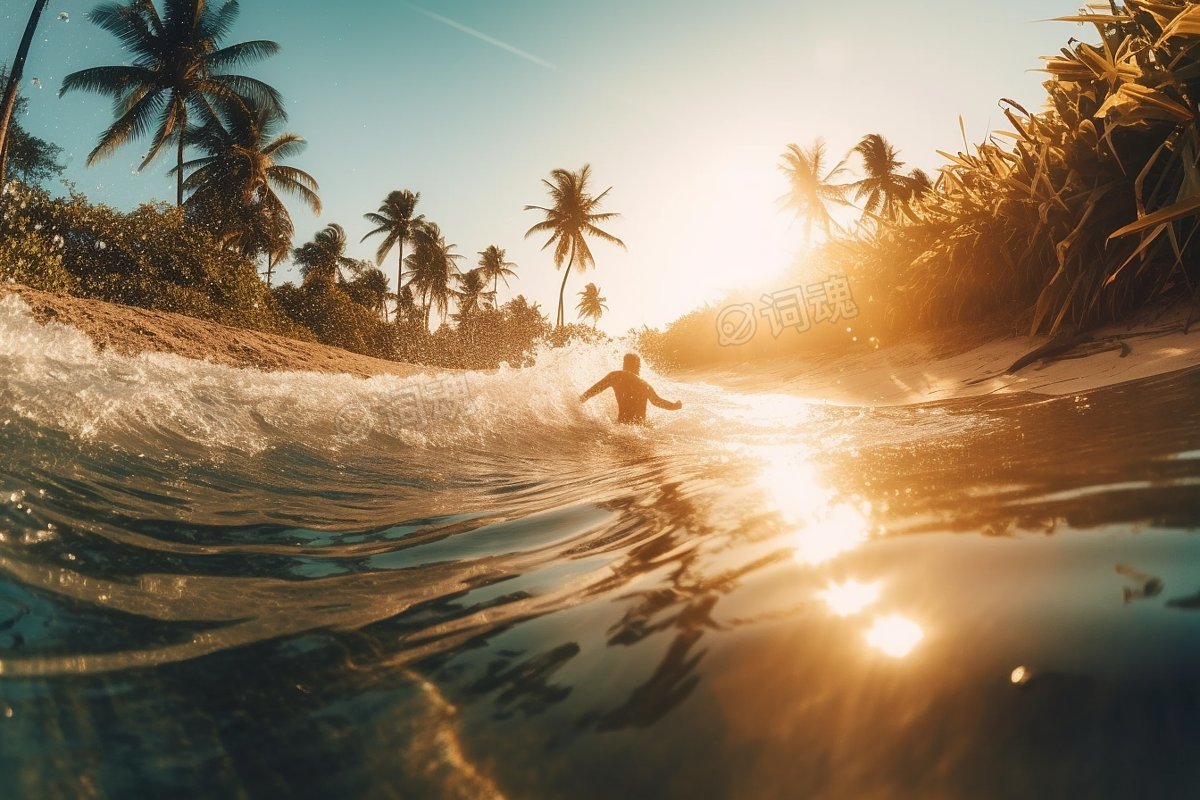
<point x="368" y="286"/>
<point x="812" y="186"/>
<point x="884" y="185"/>
<point x="472" y="294"/>
<point x="322" y="259"/>
<point x="397" y="221"/>
<point x="233" y="186"/>
<point x="495" y="268"/>
<point x="177" y="73"/>
<point x="919" y="185"/>
<point x="432" y="266"/>
<point x="591" y="305"/>
<point x="570" y="219"/>
<point x="14" y="83"/>
<point x="406" y="304"/>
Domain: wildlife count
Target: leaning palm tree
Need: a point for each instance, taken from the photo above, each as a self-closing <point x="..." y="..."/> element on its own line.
<point x="396" y="221"/>
<point x="884" y="184"/>
<point x="177" y="75"/>
<point x="14" y="83"/>
<point x="812" y="187"/>
<point x="570" y="219"/>
<point x="591" y="305"/>
<point x="432" y="267"/>
<point x="322" y="259"/>
<point x="234" y="184"/>
<point x="495" y="268"/>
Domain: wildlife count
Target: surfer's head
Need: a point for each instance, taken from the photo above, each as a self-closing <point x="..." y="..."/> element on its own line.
<point x="632" y="363"/>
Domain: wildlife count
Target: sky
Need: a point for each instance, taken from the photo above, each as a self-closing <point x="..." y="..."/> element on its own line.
<point x="683" y="107"/>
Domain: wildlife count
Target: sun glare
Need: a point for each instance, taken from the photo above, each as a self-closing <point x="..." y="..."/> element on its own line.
<point x="894" y="635"/>
<point x="826" y="526"/>
<point x="850" y="597"/>
<point x="740" y="237"/>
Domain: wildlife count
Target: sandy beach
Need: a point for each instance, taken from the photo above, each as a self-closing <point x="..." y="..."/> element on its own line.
<point x="929" y="367"/>
<point x="130" y="331"/>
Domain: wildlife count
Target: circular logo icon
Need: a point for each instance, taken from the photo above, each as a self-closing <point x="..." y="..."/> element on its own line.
<point x="736" y="325"/>
<point x="353" y="421"/>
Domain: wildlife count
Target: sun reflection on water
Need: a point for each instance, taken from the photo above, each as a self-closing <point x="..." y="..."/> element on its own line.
<point x="826" y="526"/>
<point x="895" y="635"/>
<point x="850" y="597"/>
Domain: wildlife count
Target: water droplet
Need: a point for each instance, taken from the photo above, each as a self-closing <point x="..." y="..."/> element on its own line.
<point x="63" y="16"/>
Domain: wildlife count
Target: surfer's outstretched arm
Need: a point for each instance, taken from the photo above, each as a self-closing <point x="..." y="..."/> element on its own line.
<point x="667" y="404"/>
<point x="599" y="387"/>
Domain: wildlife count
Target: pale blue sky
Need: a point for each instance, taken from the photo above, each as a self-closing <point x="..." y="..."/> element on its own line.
<point x="682" y="107"/>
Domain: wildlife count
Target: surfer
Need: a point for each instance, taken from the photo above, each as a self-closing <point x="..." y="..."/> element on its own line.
<point x="632" y="392"/>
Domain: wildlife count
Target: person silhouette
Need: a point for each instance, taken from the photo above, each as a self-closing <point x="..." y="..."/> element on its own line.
<point x="632" y="392"/>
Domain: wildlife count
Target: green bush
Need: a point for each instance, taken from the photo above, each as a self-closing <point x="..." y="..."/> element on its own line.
<point x="28" y="255"/>
<point x="150" y="258"/>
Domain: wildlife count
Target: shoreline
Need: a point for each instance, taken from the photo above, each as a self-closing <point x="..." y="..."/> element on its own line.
<point x="131" y="331"/>
<point x="920" y="369"/>
<point x="930" y="367"/>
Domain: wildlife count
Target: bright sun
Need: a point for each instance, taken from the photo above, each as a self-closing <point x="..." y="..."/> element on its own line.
<point x="738" y="234"/>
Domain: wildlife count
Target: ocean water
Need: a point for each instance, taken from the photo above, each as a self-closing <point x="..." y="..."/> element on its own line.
<point x="227" y="583"/>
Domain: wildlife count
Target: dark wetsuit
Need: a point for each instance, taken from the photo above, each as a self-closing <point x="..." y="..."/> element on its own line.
<point x="632" y="393"/>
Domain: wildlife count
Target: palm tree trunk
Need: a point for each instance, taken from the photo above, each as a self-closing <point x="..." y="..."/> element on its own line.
<point x="399" y="274"/>
<point x="179" y="155"/>
<point x="563" y="288"/>
<point x="270" y="268"/>
<point x="14" y="83"/>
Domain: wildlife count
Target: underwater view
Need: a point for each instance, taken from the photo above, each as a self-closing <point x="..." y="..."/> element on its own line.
<point x="466" y="584"/>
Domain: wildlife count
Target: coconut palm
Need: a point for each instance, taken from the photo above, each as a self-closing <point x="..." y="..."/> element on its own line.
<point x="406" y="304"/>
<point x="178" y="73"/>
<point x="432" y="266"/>
<point x="813" y="187"/>
<point x="591" y="305"/>
<point x="884" y="184"/>
<point x="234" y="184"/>
<point x="323" y="258"/>
<point x="269" y="231"/>
<point x="495" y="268"/>
<point x="472" y="295"/>
<point x="368" y="286"/>
<point x="397" y="221"/>
<point x="14" y="83"/>
<point x="570" y="219"/>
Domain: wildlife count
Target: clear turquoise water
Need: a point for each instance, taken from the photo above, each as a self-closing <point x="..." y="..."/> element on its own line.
<point x="225" y="583"/>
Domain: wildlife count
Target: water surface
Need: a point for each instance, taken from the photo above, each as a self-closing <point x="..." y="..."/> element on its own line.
<point x="224" y="582"/>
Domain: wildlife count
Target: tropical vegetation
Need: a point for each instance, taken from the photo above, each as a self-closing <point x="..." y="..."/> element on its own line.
<point x="591" y="305"/>
<point x="572" y="216"/>
<point x="178" y="74"/>
<point x="1072" y="216"/>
